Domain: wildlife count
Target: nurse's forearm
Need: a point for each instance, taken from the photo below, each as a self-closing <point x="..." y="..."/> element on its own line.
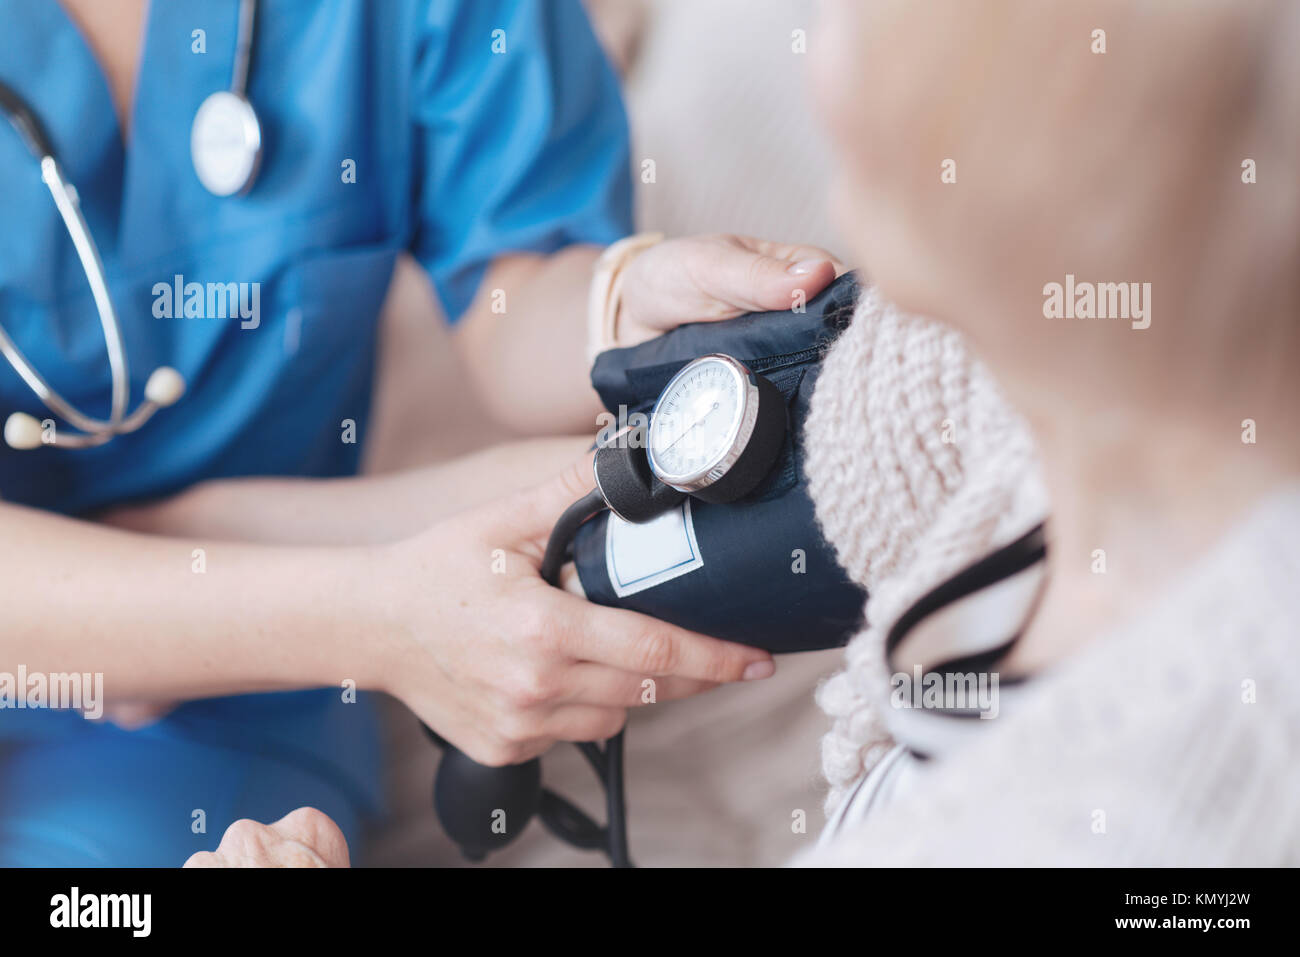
<point x="525" y="342"/>
<point x="347" y="511"/>
<point x="176" y="618"/>
<point x="525" y="336"/>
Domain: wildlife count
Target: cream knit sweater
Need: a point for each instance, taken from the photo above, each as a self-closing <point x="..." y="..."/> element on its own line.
<point x="917" y="468"/>
<point x="1173" y="740"/>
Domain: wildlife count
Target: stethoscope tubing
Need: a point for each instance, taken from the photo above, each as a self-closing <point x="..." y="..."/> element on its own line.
<point x="165" y="385"/>
<point x="33" y="135"/>
<point x="243" y="48"/>
<point x="65" y="199"/>
<point x="98" y="431"/>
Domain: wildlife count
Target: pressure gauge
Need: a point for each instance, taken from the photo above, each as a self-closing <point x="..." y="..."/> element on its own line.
<point x="716" y="429"/>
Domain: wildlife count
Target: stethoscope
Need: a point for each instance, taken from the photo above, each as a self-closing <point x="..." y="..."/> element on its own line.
<point x="226" y="148"/>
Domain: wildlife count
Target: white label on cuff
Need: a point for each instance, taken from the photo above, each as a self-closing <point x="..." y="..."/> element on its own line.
<point x="638" y="557"/>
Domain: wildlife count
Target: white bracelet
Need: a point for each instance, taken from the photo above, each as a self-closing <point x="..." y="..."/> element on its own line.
<point x="605" y="300"/>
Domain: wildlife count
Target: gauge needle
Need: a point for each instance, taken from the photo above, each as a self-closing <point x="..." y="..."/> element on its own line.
<point x="706" y="403"/>
<point x="687" y="431"/>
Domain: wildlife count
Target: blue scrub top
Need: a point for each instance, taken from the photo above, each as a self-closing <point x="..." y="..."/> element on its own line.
<point x="467" y="143"/>
<point x="460" y="154"/>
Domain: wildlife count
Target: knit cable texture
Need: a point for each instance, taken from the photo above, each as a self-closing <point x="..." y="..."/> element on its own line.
<point x="917" y="468"/>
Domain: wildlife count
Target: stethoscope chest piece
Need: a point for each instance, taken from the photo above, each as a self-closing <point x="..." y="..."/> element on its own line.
<point x="226" y="143"/>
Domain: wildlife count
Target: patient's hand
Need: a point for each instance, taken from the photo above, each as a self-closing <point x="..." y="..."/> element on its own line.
<point x="302" y="838"/>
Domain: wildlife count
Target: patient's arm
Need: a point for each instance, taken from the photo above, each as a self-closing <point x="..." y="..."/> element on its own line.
<point x="348" y="511"/>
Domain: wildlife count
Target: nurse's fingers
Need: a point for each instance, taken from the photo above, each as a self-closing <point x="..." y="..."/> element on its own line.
<point x="792" y="252"/>
<point x="570" y="581"/>
<point x="590" y="683"/>
<point x="644" y="645"/>
<point x="528" y="516"/>
<point x="585" y="723"/>
<point x="754" y="275"/>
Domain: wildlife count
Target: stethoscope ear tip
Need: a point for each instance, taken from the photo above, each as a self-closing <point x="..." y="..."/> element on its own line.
<point x="165" y="387"/>
<point x="23" y="431"/>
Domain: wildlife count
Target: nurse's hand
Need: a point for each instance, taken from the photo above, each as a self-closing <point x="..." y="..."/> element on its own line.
<point x="502" y="664"/>
<point x="700" y="278"/>
<point x="531" y="366"/>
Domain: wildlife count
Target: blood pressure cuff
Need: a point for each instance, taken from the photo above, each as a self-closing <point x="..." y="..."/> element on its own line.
<point x="757" y="570"/>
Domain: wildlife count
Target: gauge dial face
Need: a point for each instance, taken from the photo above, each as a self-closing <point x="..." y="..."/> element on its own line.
<point x="697" y="420"/>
